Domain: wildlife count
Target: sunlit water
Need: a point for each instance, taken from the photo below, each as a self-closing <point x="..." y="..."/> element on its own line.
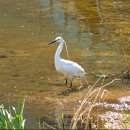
<point x="118" y="119"/>
<point x="95" y="32"/>
<point x="115" y="120"/>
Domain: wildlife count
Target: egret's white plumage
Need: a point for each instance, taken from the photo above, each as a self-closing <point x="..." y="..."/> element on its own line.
<point x="68" y="68"/>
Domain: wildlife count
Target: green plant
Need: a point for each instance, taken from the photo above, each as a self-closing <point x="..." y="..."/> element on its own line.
<point x="12" y="118"/>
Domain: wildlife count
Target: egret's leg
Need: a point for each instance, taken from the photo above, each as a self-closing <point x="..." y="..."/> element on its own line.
<point x="66" y="82"/>
<point x="70" y="79"/>
<point x="70" y="84"/>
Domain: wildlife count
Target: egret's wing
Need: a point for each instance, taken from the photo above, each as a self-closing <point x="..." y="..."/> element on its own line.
<point x="71" y="67"/>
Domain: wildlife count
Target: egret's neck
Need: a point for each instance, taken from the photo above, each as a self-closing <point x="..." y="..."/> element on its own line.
<point x="58" y="51"/>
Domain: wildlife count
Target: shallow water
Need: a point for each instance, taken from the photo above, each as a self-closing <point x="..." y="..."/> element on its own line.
<point x="94" y="32"/>
<point x="117" y="119"/>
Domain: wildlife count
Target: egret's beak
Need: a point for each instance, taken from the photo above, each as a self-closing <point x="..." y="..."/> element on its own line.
<point x="52" y="42"/>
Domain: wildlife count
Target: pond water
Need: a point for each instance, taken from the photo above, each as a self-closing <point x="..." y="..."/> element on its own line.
<point x="118" y="119"/>
<point x="95" y="32"/>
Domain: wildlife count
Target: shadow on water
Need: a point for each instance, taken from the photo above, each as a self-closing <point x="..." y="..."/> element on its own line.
<point x="95" y="32"/>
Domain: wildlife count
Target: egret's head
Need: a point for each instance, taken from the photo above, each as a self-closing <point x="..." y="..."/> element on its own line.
<point x="58" y="39"/>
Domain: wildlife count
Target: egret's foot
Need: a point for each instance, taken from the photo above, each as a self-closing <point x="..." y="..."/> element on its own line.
<point x="68" y="90"/>
<point x="64" y="93"/>
<point x="70" y="84"/>
<point x="66" y="82"/>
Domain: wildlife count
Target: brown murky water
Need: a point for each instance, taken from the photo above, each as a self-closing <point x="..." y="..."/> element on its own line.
<point x="95" y="32"/>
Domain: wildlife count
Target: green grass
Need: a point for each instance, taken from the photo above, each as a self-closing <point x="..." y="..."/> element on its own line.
<point x="12" y="118"/>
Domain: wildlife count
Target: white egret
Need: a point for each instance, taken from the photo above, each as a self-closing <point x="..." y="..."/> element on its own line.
<point x="68" y="68"/>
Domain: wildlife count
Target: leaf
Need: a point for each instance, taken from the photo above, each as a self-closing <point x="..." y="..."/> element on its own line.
<point x="14" y="110"/>
<point x="23" y="123"/>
